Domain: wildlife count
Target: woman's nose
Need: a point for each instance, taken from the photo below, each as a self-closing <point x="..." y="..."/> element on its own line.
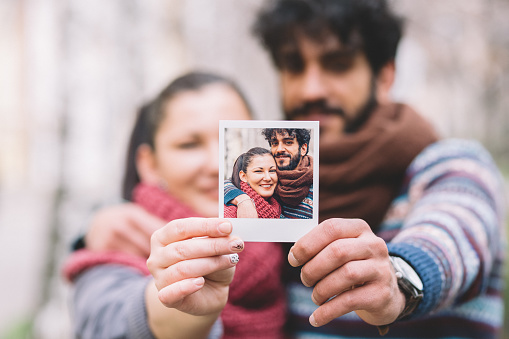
<point x="211" y="160"/>
<point x="266" y="176"/>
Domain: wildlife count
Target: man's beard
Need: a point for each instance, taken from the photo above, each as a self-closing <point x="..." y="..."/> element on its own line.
<point x="294" y="161"/>
<point x="351" y="126"/>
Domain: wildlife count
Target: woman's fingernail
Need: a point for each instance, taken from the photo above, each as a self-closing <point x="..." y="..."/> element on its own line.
<point x="234" y="258"/>
<point x="237" y="245"/>
<point x="291" y="259"/>
<point x="225" y="228"/>
<point x="312" y="321"/>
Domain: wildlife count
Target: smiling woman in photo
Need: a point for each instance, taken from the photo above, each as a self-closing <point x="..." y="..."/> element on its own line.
<point x="254" y="173"/>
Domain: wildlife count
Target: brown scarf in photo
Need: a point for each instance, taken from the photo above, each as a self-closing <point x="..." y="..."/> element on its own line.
<point x="361" y="173"/>
<point x="293" y="185"/>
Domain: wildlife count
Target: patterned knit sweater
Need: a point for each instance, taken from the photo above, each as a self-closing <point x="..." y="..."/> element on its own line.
<point x="448" y="223"/>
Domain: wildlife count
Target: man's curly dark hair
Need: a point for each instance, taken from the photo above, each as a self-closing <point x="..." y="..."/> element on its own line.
<point x="303" y="135"/>
<point x="366" y="25"/>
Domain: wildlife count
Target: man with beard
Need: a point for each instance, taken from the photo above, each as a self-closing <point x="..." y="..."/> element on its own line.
<point x="289" y="146"/>
<point x="411" y="231"/>
<point x="425" y="252"/>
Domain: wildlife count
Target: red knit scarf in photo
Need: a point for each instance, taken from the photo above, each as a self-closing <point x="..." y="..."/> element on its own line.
<point x="256" y="305"/>
<point x="293" y="185"/>
<point x="266" y="209"/>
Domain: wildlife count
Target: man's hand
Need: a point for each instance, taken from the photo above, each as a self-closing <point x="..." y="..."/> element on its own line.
<point x="245" y="207"/>
<point x="344" y="260"/>
<point x="126" y="227"/>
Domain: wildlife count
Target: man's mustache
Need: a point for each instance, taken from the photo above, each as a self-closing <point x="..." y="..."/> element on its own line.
<point x="320" y="105"/>
<point x="282" y="154"/>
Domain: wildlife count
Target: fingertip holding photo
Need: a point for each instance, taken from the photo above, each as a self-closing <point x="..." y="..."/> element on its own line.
<point x="234" y="258"/>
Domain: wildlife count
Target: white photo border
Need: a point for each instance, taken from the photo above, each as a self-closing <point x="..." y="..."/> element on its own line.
<point x="270" y="230"/>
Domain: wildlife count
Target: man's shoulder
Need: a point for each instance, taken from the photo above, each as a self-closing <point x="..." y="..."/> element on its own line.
<point x="451" y="149"/>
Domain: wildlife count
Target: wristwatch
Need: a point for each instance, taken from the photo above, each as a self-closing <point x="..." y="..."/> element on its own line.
<point x="409" y="283"/>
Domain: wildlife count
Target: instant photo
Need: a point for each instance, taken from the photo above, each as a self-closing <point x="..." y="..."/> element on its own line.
<point x="273" y="167"/>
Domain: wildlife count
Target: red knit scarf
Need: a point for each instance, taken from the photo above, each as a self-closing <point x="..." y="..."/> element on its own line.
<point x="361" y="173"/>
<point x="293" y="185"/>
<point x="256" y="303"/>
<point x="266" y="209"/>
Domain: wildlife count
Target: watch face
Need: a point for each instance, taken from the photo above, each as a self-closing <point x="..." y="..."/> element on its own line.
<point x="408" y="272"/>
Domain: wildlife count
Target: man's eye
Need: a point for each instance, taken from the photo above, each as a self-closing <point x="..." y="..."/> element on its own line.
<point x="337" y="65"/>
<point x="289" y="143"/>
<point x="291" y="63"/>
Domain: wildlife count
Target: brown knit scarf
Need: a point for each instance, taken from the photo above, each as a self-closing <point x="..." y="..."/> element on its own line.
<point x="293" y="185"/>
<point x="361" y="173"/>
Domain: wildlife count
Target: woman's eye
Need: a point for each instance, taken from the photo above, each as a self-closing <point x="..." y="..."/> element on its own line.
<point x="188" y="145"/>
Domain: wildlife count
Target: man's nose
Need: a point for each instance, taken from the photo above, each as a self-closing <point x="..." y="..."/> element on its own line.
<point x="280" y="147"/>
<point x="313" y="84"/>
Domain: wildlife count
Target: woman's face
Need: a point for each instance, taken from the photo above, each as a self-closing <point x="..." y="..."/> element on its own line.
<point x="261" y="175"/>
<point x="187" y="144"/>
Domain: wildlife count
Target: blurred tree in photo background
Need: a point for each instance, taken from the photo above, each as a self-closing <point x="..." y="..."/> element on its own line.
<point x="72" y="74"/>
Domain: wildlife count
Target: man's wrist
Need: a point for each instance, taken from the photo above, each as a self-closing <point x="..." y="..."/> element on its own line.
<point x="409" y="283"/>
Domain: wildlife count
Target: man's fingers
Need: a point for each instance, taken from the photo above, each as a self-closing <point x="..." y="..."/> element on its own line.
<point x="145" y="221"/>
<point x="338" y="253"/>
<point x="354" y="273"/>
<point x="359" y="298"/>
<point x="322" y="235"/>
<point x="134" y="242"/>
<point x="182" y="229"/>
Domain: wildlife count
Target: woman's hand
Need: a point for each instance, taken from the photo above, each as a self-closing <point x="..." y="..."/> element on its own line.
<point x="193" y="261"/>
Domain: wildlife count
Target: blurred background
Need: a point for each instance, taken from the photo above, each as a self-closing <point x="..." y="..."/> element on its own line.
<point x="73" y="73"/>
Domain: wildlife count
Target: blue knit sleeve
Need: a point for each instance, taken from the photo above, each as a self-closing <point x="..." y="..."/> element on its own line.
<point x="230" y="192"/>
<point x="453" y="234"/>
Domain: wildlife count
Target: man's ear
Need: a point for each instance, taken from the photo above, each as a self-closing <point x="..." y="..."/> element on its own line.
<point x="243" y="176"/>
<point x="303" y="149"/>
<point x="146" y="165"/>
<point x="384" y="82"/>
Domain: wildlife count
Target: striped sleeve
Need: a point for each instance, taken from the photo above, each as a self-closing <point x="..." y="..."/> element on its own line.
<point x="454" y="233"/>
<point x="231" y="192"/>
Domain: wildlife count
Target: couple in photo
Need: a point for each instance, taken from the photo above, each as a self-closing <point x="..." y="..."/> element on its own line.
<point x="273" y="184"/>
